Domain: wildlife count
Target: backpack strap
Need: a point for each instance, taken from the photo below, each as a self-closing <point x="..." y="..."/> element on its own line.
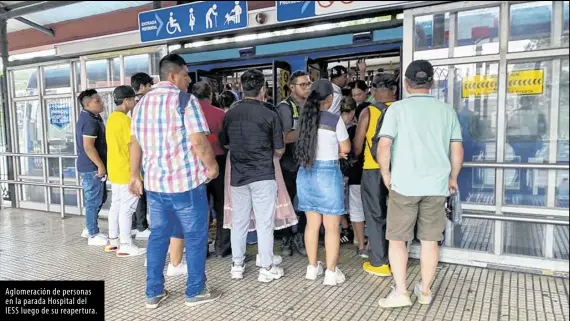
<point x="382" y="110"/>
<point x="292" y="105"/>
<point x="328" y="121"/>
<point x="183" y="100"/>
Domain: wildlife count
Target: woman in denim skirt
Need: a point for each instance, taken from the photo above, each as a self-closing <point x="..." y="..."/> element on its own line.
<point x="322" y="139"/>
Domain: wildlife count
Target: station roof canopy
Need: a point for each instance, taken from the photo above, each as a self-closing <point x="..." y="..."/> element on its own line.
<point x="40" y="14"/>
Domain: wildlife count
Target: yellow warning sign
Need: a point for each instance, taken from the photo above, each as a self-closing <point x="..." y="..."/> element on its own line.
<point x="479" y="86"/>
<point x="521" y="82"/>
<point x="526" y="82"/>
<point x="284" y="84"/>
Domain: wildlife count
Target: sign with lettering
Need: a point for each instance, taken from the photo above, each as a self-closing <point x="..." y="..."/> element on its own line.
<point x="300" y="10"/>
<point x="192" y="19"/>
<point x="59" y="115"/>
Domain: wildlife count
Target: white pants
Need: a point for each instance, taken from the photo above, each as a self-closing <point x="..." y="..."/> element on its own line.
<point x="355" y="204"/>
<point x="123" y="205"/>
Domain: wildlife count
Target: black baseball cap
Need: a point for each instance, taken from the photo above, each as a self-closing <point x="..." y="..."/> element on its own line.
<point x="420" y="71"/>
<point x="322" y="88"/>
<point x="338" y="71"/>
<point x="384" y="80"/>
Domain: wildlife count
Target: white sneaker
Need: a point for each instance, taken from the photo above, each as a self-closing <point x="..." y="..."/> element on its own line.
<point x="134" y="232"/>
<point x="143" y="235"/>
<point x="130" y="249"/>
<point x="266" y="276"/>
<point x="395" y="300"/>
<point x="313" y="272"/>
<point x="422" y="297"/>
<point x="334" y="278"/>
<point x="237" y="271"/>
<point x="112" y="245"/>
<point x="181" y="269"/>
<point x="85" y="233"/>
<point x="98" y="240"/>
<point x="276" y="260"/>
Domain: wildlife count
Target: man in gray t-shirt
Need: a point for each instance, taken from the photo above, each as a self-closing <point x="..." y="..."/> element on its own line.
<point x="289" y="111"/>
<point x="421" y="139"/>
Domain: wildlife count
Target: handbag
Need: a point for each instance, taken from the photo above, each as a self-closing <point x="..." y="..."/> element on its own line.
<point x="453" y="210"/>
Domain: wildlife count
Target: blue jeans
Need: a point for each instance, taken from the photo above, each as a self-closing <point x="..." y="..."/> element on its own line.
<point x="187" y="211"/>
<point x="94" y="195"/>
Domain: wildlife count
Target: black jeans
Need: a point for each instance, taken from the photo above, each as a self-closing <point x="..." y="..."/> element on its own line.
<point x="140" y="222"/>
<point x="216" y="191"/>
<point x="290" y="179"/>
<point x="374" y="203"/>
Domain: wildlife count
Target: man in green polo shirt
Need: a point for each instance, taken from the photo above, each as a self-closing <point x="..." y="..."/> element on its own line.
<point x="421" y="139"/>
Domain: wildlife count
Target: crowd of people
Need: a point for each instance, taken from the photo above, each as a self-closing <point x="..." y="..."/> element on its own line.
<point x="369" y="168"/>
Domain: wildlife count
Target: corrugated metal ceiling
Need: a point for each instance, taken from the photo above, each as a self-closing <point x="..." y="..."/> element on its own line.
<point x="71" y="12"/>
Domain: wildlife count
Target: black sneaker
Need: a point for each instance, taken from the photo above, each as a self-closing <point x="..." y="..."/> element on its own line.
<point x="286" y="247"/>
<point x="152" y="303"/>
<point x="298" y="243"/>
<point x="346" y="236"/>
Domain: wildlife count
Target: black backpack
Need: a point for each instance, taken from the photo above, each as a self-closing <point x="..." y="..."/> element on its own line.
<point x="375" y="139"/>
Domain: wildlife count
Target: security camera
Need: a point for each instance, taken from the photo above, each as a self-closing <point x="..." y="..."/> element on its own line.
<point x="261" y="18"/>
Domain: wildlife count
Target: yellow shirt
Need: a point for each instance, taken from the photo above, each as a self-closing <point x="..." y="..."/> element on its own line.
<point x="369" y="161"/>
<point x="118" y="139"/>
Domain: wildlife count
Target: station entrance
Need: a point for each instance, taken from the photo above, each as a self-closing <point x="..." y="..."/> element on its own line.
<point x="514" y="184"/>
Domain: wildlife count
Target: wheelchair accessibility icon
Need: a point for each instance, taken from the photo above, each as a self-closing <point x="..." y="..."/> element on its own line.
<point x="172" y="26"/>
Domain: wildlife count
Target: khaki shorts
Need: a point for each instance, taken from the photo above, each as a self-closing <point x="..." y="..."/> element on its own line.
<point x="405" y="211"/>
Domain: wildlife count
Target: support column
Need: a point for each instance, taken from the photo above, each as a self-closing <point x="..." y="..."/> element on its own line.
<point x="6" y="108"/>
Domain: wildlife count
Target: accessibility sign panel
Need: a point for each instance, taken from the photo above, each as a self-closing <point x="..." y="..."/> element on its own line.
<point x="526" y="82"/>
<point x="192" y="19"/>
<point x="299" y="10"/>
<point x="520" y="82"/>
<point x="59" y="115"/>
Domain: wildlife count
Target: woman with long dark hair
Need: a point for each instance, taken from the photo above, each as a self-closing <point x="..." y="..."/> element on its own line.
<point x="322" y="139"/>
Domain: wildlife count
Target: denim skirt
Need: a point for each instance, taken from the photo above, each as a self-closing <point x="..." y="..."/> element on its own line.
<point x="320" y="188"/>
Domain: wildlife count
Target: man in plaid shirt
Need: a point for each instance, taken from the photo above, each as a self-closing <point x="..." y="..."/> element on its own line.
<point x="169" y="140"/>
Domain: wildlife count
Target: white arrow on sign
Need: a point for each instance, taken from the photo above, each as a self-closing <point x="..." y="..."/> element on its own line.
<point x="160" y="24"/>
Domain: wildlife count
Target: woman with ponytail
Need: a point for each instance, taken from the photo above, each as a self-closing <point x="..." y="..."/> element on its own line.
<point x="321" y="140"/>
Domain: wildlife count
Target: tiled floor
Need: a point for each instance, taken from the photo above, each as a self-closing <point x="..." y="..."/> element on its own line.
<point x="38" y="246"/>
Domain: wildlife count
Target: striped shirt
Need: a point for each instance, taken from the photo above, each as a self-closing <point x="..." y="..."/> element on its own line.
<point x="163" y="121"/>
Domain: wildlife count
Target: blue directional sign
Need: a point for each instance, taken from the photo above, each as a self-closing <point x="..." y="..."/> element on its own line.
<point x="187" y="20"/>
<point x="301" y="10"/>
<point x="59" y="115"/>
<point x="294" y="10"/>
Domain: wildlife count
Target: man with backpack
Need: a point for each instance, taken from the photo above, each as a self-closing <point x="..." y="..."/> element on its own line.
<point x="374" y="193"/>
<point x="288" y="111"/>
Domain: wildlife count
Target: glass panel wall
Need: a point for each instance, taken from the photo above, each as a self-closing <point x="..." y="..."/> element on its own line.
<point x="530" y="26"/>
<point x="513" y="109"/>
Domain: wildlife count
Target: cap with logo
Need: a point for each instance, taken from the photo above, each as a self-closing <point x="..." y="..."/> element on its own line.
<point x="338" y="71"/>
<point x="420" y="72"/>
<point x="384" y="80"/>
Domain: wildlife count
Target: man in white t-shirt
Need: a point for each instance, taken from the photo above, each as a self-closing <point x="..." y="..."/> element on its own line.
<point x="339" y="80"/>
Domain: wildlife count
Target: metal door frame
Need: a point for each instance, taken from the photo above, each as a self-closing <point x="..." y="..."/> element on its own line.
<point x="41" y="97"/>
<point x="499" y="212"/>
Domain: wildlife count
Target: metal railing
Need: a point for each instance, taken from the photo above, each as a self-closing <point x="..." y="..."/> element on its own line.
<point x="518" y="165"/>
<point x="46" y="177"/>
<point x="471" y="214"/>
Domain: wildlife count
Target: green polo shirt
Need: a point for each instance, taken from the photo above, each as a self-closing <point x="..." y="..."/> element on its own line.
<point x="422" y="128"/>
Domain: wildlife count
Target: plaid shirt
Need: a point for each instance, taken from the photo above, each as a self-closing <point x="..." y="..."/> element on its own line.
<point x="163" y="121"/>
